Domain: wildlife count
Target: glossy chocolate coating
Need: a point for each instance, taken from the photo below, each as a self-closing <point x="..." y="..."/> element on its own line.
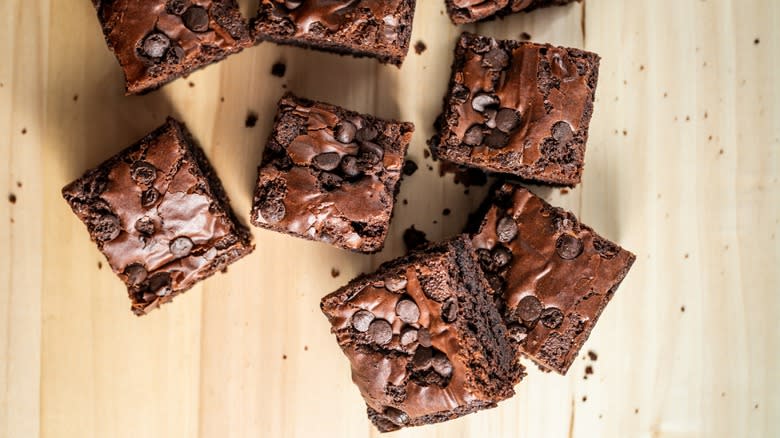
<point x="568" y="268"/>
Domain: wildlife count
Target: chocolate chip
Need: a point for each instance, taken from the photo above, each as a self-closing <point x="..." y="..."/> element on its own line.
<point x="568" y="247"/>
<point x="495" y="59"/>
<point x="480" y="102"/>
<point x="449" y="310"/>
<point x="496" y="283"/>
<point x="366" y="133"/>
<point x="349" y="165"/>
<point x="106" y="228"/>
<point x="395" y="284"/>
<point x="496" y="139"/>
<point x="176" y="7"/>
<point x="327" y="161"/>
<point x="196" y="19"/>
<point x="506" y="229"/>
<point x="507" y="120"/>
<point x="361" y="320"/>
<point x="441" y="365"/>
<point x="562" y="133"/>
<point x="409" y="168"/>
<point x="424" y="337"/>
<point x="330" y="181"/>
<point x="160" y="284"/>
<point x="501" y="256"/>
<point x="136" y="274"/>
<point x="345" y="132"/>
<point x="529" y="309"/>
<point x="421" y="360"/>
<point x="380" y="331"/>
<point x="374" y="150"/>
<point x="407" y="311"/>
<point x="473" y="135"/>
<point x="408" y="336"/>
<point x="149" y="197"/>
<point x="155" y="45"/>
<point x="517" y="332"/>
<point x="460" y="94"/>
<point x="485" y="259"/>
<point x="272" y="210"/>
<point x="552" y="317"/>
<point x="145" y="225"/>
<point x="292" y="4"/>
<point x="181" y="246"/>
<point x="143" y="173"/>
<point x="278" y="69"/>
<point x="396" y="416"/>
<point x="490" y="117"/>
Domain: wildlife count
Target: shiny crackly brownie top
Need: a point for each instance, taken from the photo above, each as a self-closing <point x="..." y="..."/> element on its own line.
<point x="554" y="275"/>
<point x="519" y="108"/>
<point x="365" y="26"/>
<point x="158" y="40"/>
<point x="152" y="212"/>
<point x="467" y="11"/>
<point x="331" y="175"/>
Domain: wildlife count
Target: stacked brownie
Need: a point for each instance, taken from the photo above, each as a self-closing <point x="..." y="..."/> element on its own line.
<point x="433" y="335"/>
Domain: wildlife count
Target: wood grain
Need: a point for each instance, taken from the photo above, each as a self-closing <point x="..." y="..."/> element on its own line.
<point x="682" y="168"/>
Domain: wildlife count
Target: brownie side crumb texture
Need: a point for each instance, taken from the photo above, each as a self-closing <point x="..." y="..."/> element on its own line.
<point x="364" y="28"/>
<point x="157" y="41"/>
<point x="469" y="11"/>
<point x="424" y="338"/>
<point x="518" y="108"/>
<point x="160" y="215"/>
<point x="331" y="175"/>
<point x="553" y="275"/>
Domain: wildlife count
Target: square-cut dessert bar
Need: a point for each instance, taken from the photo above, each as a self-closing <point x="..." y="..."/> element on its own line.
<point x="330" y="174"/>
<point x="157" y="41"/>
<point x="424" y="338"/>
<point x="469" y="11"/>
<point x="379" y="29"/>
<point x="553" y="276"/>
<point x="518" y="108"/>
<point x="159" y="214"/>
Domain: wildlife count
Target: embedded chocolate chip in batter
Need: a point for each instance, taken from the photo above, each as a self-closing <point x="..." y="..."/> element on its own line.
<point x="143" y="173"/>
<point x="473" y="136"/>
<point x="568" y="247"/>
<point x="327" y="161"/>
<point x="361" y="320"/>
<point x="507" y="120"/>
<point x="408" y="336"/>
<point x="395" y="284"/>
<point x="181" y="246"/>
<point x="552" y="317"/>
<point x="449" y="310"/>
<point x="106" y="228"/>
<point x="481" y="102"/>
<point x="136" y="274"/>
<point x="396" y="416"/>
<point x="529" y="309"/>
<point x="506" y="229"/>
<point x="196" y="19"/>
<point x="424" y="337"/>
<point x="345" y="132"/>
<point x="155" y="45"/>
<point x="441" y="364"/>
<point x="380" y="331"/>
<point x="149" y="197"/>
<point x="407" y="311"/>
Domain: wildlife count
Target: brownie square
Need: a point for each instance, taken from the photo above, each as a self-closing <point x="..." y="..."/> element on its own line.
<point x="469" y="11"/>
<point x="518" y="108"/>
<point x="159" y="214"/>
<point x="424" y="338"/>
<point x="552" y="275"/>
<point x="157" y="41"/>
<point x="330" y="174"/>
<point x="373" y="28"/>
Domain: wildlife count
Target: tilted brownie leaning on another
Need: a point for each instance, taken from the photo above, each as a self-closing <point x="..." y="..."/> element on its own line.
<point x="553" y="276"/>
<point x="378" y="29"/>
<point x="521" y="109"/>
<point x="330" y="174"/>
<point x="157" y="41"/>
<point x="424" y="339"/>
<point x="159" y="214"/>
<point x="469" y="11"/>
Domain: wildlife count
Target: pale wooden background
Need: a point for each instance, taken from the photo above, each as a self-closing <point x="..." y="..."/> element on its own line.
<point x="682" y="168"/>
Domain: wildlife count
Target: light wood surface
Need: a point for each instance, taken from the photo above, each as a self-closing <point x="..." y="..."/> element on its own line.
<point x="682" y="168"/>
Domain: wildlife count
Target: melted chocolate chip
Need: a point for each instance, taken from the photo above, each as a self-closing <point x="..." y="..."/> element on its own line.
<point x="106" y="228"/>
<point x="361" y="320"/>
<point x="327" y="161"/>
<point x="160" y="284"/>
<point x="395" y="284"/>
<point x="380" y="331"/>
<point x="143" y="173"/>
<point x="349" y="165"/>
<point x="501" y="256"/>
<point x="292" y="4"/>
<point x="145" y="225"/>
<point x="367" y="133"/>
<point x="552" y="317"/>
<point x="529" y="309"/>
<point x="422" y="358"/>
<point x="345" y="132"/>
<point x="181" y="246"/>
<point x="149" y="197"/>
<point x="136" y="274"/>
<point x="507" y="120"/>
<point x="155" y="45"/>
<point x="424" y="337"/>
<point x="330" y="181"/>
<point x="568" y="247"/>
<point x="374" y="150"/>
<point x="562" y="133"/>
<point x="506" y="229"/>
<point x="441" y="364"/>
<point x="481" y="102"/>
<point x="473" y="136"/>
<point x="496" y="59"/>
<point x="496" y="139"/>
<point x="396" y="416"/>
<point x="176" y="7"/>
<point x="272" y="210"/>
<point x="449" y="310"/>
<point x="407" y="311"/>
<point x="408" y="336"/>
<point x="196" y="19"/>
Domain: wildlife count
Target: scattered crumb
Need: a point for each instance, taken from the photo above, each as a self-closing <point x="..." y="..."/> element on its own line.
<point x="584" y="398"/>
<point x="722" y="394"/>
<point x="409" y="167"/>
<point x="405" y="201"/>
<point x="100" y="265"/>
<point x="446" y="212"/>
<point x="251" y="119"/>
<point x="592" y="355"/>
<point x="687" y="118"/>
<point x="600" y="416"/>
<point x="414" y="238"/>
<point x="12" y="198"/>
<point x="682" y="309"/>
<point x="687" y="255"/>
<point x="284" y="357"/>
<point x="720" y="152"/>
<point x="24" y="131"/>
<point x="284" y="86"/>
<point x="305" y="348"/>
<point x="525" y="36"/>
<point x="419" y="47"/>
<point x="756" y="41"/>
<point x="466" y="192"/>
<point x="636" y="410"/>
<point x="641" y="68"/>
<point x="334" y="272"/>
<point x="429" y="167"/>
<point x="588" y="370"/>
<point x="222" y="99"/>
<point x="278" y="69"/>
<point x="666" y="94"/>
<point x="426" y="153"/>
<point x="625" y="132"/>
<point x="19" y="184"/>
<point x="435" y="222"/>
<point x="192" y="84"/>
<point x="706" y="114"/>
<point x="224" y="270"/>
<point x="75" y="97"/>
<point x="564" y="191"/>
<point x="756" y="406"/>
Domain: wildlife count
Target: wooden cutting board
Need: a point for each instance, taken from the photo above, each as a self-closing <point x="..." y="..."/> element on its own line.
<point x="682" y="168"/>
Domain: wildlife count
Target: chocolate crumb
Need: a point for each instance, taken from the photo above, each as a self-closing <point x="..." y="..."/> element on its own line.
<point x="19" y="184"/>
<point x="305" y="348"/>
<point x="756" y="41"/>
<point x="251" y="119"/>
<point x="588" y="370"/>
<point x="641" y="68"/>
<point x="224" y="270"/>
<point x="334" y="272"/>
<point x="409" y="167"/>
<point x="405" y="201"/>
<point x="426" y="154"/>
<point x="592" y="355"/>
<point x="682" y="309"/>
<point x="420" y="47"/>
<point x="414" y="238"/>
<point x="192" y="84"/>
<point x="284" y="357"/>
<point x="625" y="132"/>
<point x="278" y="69"/>
<point x="12" y="198"/>
<point x="564" y="191"/>
<point x="446" y="212"/>
<point x="687" y="255"/>
<point x="430" y="167"/>
<point x="100" y="265"/>
<point x="24" y="131"/>
<point x="222" y="99"/>
<point x="525" y="36"/>
<point x="584" y="398"/>
<point x="636" y="410"/>
<point x="75" y="97"/>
